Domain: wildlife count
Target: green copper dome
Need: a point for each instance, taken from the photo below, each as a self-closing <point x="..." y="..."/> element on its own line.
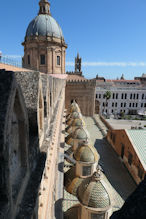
<point x="85" y="153"/>
<point x="92" y="193"/>
<point x="80" y="134"/>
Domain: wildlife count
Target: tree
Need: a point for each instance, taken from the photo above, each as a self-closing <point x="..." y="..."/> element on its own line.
<point x="107" y="96"/>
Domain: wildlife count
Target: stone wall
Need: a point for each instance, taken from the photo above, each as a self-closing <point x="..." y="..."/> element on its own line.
<point x="31" y="111"/>
<point x="84" y="94"/>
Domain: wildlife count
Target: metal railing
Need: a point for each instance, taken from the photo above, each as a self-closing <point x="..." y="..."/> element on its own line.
<point x="17" y="62"/>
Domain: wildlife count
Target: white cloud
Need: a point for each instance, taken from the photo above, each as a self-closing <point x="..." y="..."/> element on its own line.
<point x="110" y="64"/>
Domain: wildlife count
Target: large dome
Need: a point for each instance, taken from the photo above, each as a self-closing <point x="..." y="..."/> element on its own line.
<point x="44" y="25"/>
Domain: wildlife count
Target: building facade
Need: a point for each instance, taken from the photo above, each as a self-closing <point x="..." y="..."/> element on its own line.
<point x="127" y="96"/>
<point x="130" y="146"/>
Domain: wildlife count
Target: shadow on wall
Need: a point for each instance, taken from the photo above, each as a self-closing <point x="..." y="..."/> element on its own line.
<point x="114" y="169"/>
<point x="60" y="167"/>
<point x="58" y="209"/>
<point x="29" y="203"/>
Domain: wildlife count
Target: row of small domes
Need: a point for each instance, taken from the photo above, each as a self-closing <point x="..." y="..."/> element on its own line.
<point x="88" y="187"/>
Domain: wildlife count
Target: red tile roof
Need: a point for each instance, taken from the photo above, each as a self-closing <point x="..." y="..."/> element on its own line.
<point x="130" y="81"/>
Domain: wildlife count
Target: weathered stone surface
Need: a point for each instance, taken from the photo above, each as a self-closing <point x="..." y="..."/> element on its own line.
<point x="14" y="167"/>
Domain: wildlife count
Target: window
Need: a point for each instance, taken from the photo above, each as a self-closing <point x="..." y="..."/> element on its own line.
<point x="133" y="104"/>
<point x="130" y="96"/>
<point x="145" y="105"/>
<point x="116" y="96"/>
<point x="113" y="96"/>
<point x="122" y="96"/>
<point x="141" y="104"/>
<point x="116" y="104"/>
<point x="107" y="104"/>
<point x="142" y="96"/>
<point x="96" y="96"/>
<point x="112" y="104"/>
<point x="50" y="99"/>
<point x="99" y="96"/>
<point x="134" y="96"/>
<point x="129" y="104"/>
<point x="42" y="59"/>
<point x="125" y="96"/>
<point x="130" y="157"/>
<point x="86" y="170"/>
<point x="136" y="104"/>
<point x="28" y="59"/>
<point x="124" y="104"/>
<point x="121" y="104"/>
<point x="103" y="103"/>
<point x="58" y="60"/>
<point x="137" y="96"/>
<point x="97" y="216"/>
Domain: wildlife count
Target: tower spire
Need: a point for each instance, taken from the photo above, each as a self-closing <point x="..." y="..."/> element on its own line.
<point x="44" y="7"/>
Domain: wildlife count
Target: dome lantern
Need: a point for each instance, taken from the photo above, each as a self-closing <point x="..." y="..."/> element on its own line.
<point x="44" y="7"/>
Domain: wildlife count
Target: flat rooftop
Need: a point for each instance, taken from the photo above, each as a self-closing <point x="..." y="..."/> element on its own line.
<point x="126" y="124"/>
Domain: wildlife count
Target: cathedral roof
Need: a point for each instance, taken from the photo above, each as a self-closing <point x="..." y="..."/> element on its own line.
<point x="92" y="193"/>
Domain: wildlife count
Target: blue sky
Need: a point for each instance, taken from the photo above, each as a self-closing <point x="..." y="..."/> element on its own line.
<point x="110" y="35"/>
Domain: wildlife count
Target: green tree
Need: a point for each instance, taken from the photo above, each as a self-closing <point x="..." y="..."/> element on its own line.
<point x="107" y="96"/>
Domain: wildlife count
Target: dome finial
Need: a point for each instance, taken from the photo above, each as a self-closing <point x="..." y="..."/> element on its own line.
<point x="44" y="7"/>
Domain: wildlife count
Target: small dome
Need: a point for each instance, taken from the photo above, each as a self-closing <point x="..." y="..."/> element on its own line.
<point x="92" y="193"/>
<point x="74" y="107"/>
<point x="71" y="181"/>
<point x="44" y="25"/>
<point x="86" y="153"/>
<point x="74" y="115"/>
<point x="76" y="123"/>
<point x="79" y="134"/>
